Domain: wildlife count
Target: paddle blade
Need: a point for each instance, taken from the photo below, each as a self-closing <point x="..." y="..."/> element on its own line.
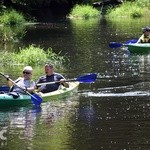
<point x="87" y="78"/>
<point x="36" y="99"/>
<point x="115" y="45"/>
<point x="131" y="41"/>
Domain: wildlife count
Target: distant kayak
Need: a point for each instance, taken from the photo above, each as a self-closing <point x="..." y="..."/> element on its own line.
<point x="139" y="48"/>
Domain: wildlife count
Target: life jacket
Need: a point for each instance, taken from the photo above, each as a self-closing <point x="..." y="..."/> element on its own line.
<point x="12" y="87"/>
<point x="18" y="80"/>
<point x="145" y="39"/>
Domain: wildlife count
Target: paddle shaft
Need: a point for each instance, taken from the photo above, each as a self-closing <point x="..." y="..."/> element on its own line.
<point x="83" y="79"/>
<point x="46" y="83"/>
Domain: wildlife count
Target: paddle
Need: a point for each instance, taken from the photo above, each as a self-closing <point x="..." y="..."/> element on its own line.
<point x="117" y="44"/>
<point x="36" y="100"/>
<point x="89" y="78"/>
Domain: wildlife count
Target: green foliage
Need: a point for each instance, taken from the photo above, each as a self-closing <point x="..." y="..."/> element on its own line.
<point x="136" y="14"/>
<point x="143" y="3"/>
<point x="130" y="9"/>
<point x="11" y="17"/>
<point x="31" y="55"/>
<point x="11" y="33"/>
<point x="84" y="11"/>
<point x="6" y="58"/>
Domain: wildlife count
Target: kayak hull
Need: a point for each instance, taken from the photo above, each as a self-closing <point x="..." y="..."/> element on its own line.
<point x="139" y="48"/>
<point x="61" y="93"/>
<point x="7" y="100"/>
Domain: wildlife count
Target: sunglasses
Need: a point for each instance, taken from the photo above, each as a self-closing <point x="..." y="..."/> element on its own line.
<point x="24" y="72"/>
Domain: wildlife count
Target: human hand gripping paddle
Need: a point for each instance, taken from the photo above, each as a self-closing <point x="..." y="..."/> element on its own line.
<point x="117" y="44"/>
<point x="36" y="100"/>
<point x="89" y="78"/>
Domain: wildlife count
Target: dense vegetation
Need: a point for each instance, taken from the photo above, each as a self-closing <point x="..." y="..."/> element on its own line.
<point x="32" y="55"/>
<point x="138" y="8"/>
<point x="84" y="11"/>
<point x="11" y="17"/>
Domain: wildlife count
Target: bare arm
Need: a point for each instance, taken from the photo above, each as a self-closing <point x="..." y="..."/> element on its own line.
<point x="65" y="84"/>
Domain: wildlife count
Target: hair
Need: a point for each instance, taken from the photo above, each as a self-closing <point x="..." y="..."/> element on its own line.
<point x="146" y="29"/>
<point x="29" y="68"/>
<point x="48" y="65"/>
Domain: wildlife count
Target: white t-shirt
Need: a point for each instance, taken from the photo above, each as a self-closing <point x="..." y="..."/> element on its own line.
<point x="21" y="82"/>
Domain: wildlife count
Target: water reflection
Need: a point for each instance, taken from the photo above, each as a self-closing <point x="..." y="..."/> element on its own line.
<point x="143" y="62"/>
<point x="16" y="126"/>
<point x="22" y="128"/>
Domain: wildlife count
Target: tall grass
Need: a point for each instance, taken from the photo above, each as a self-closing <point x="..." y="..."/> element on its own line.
<point x="140" y="8"/>
<point x="11" y="17"/>
<point x="84" y="11"/>
<point x="31" y="55"/>
<point x="11" y="33"/>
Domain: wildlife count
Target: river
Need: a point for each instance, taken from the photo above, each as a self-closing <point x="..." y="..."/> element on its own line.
<point x="112" y="113"/>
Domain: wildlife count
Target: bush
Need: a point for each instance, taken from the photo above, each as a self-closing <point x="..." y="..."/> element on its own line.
<point x="130" y="9"/>
<point x="33" y="56"/>
<point x="12" y="17"/>
<point x="84" y="11"/>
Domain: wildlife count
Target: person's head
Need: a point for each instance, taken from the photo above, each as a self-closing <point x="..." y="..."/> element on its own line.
<point x="146" y="30"/>
<point x="49" y="69"/>
<point x="27" y="72"/>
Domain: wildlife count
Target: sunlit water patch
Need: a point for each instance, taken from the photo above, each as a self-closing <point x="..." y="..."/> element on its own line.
<point x="140" y="89"/>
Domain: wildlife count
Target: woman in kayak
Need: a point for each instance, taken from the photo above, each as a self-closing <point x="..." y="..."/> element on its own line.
<point x="24" y="82"/>
<point x="145" y="38"/>
<point x="51" y="76"/>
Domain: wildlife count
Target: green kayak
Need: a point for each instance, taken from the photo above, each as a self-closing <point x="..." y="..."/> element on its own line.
<point x="12" y="99"/>
<point x="139" y="48"/>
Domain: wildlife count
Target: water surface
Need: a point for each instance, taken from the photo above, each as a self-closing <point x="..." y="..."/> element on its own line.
<point x="111" y="113"/>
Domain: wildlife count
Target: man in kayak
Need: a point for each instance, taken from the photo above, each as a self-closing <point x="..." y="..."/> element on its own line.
<point x="24" y="82"/>
<point x="145" y="38"/>
<point x="50" y="76"/>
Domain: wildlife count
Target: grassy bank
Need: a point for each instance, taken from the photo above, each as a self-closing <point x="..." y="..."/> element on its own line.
<point x="84" y="12"/>
<point x="136" y="9"/>
<point x="11" y="17"/>
<point x="32" y="55"/>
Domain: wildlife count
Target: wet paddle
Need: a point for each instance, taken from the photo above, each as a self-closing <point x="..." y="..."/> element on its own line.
<point x="36" y="100"/>
<point x="117" y="44"/>
<point x="89" y="78"/>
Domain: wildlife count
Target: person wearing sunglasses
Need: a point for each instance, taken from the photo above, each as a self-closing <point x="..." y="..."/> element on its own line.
<point x="51" y="76"/>
<point x="25" y="82"/>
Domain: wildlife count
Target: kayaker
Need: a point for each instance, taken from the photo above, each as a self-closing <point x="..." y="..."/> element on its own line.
<point x="24" y="82"/>
<point x="51" y="76"/>
<point x="145" y="38"/>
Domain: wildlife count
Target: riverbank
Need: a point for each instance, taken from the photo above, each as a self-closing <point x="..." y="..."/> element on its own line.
<point x="136" y="9"/>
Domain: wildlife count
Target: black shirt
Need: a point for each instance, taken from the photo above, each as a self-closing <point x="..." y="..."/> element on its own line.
<point x="49" y="87"/>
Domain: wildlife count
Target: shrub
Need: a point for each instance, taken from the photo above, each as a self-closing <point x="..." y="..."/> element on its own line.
<point x="84" y="11"/>
<point x="12" y="17"/>
<point x="31" y="55"/>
